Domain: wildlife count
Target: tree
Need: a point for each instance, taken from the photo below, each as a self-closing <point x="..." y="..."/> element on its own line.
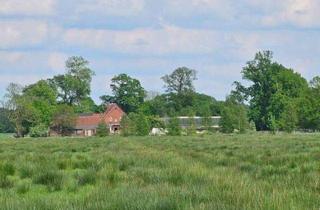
<point x="273" y="124"/>
<point x="180" y="81"/>
<point x="234" y="117"/>
<point x="315" y="83"/>
<point x="156" y="122"/>
<point x="272" y="85"/>
<point x="64" y="120"/>
<point x="5" y="125"/>
<point x="309" y="107"/>
<point x="135" y="124"/>
<point x="102" y="130"/>
<point x="128" y="93"/>
<point x="289" y="118"/>
<point x="127" y="126"/>
<point x="20" y="112"/>
<point x="87" y="105"/>
<point x="43" y="100"/>
<point x="74" y="86"/>
<point x="142" y="125"/>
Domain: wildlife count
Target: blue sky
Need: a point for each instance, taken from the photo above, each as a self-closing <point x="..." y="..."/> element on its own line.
<point x="147" y="39"/>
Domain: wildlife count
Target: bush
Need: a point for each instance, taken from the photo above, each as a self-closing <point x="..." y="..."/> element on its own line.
<point x="156" y="122"/>
<point x="173" y="127"/>
<point x="127" y="126"/>
<point x="142" y="125"/>
<point x="234" y="117"/>
<point x="192" y="128"/>
<point x="289" y="119"/>
<point x="102" y="130"/>
<point x="39" y="131"/>
<point x="135" y="124"/>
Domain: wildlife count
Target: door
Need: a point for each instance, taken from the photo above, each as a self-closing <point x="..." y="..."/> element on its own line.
<point x="89" y="133"/>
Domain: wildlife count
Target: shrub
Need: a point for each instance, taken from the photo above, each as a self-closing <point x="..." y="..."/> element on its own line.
<point x="135" y="124"/>
<point x="289" y="119"/>
<point x="142" y="125"/>
<point x="173" y="127"/>
<point x="102" y="130"/>
<point x="127" y="126"/>
<point x="192" y="128"/>
<point x="39" y="131"/>
<point x="52" y="179"/>
<point x="234" y="117"/>
<point x="64" y="120"/>
<point x="273" y="124"/>
<point x="156" y="122"/>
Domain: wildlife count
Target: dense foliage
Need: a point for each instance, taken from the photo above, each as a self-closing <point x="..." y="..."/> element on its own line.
<point x="5" y="125"/>
<point x="277" y="98"/>
<point x="128" y="93"/>
<point x="234" y="117"/>
<point x="102" y="130"/>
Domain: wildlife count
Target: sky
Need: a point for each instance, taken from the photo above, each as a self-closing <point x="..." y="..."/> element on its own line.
<point x="148" y="39"/>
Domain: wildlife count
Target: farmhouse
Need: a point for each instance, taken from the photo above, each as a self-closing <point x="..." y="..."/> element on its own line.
<point x="86" y="124"/>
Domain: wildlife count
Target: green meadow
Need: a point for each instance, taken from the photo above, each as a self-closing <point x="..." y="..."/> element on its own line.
<point x="251" y="171"/>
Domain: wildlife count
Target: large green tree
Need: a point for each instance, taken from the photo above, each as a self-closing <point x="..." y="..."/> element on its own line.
<point x="272" y="87"/>
<point x="63" y="120"/>
<point x="309" y="107"/>
<point x="171" y="104"/>
<point x="43" y="99"/>
<point x="127" y="92"/>
<point x="180" y="80"/>
<point x="19" y="108"/>
<point x="74" y="86"/>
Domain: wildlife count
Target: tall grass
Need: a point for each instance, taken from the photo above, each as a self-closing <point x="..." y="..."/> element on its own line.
<point x="253" y="171"/>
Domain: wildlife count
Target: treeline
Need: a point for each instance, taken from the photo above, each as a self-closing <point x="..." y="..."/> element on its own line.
<point x="277" y="99"/>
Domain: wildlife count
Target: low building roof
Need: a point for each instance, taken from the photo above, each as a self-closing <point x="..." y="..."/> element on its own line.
<point x="91" y="121"/>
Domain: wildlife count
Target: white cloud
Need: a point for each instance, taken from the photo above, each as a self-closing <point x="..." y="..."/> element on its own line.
<point x="167" y="40"/>
<point x="224" y="9"/>
<point x="27" y="7"/>
<point x="22" y="33"/>
<point x="19" y="79"/>
<point x="110" y="7"/>
<point x="10" y="57"/>
<point x="300" y="13"/>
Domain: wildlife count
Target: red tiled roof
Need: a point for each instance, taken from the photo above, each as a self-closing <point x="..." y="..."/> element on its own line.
<point x="112" y="115"/>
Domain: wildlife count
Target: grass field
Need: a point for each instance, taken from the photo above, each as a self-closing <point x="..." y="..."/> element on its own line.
<point x="253" y="171"/>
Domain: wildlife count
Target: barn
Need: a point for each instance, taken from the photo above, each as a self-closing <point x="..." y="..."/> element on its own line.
<point x="86" y="124"/>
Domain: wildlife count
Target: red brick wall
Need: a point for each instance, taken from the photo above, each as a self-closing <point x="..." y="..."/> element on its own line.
<point x="114" y="116"/>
